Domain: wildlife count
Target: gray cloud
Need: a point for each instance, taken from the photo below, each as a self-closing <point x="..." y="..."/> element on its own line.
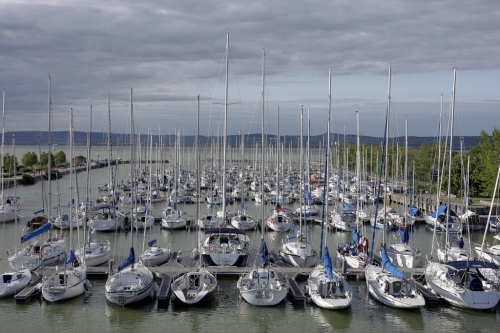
<point x="171" y="51"/>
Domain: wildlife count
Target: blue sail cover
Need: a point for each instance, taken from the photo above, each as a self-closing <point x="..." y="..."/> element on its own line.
<point x="152" y="242"/>
<point x="327" y="262"/>
<point x="39" y="211"/>
<point x="442" y="210"/>
<point x="460" y="242"/>
<point x="264" y="253"/>
<point x="70" y="258"/>
<point x="129" y="261"/>
<point x="413" y="211"/>
<point x="346" y="205"/>
<point x="390" y="267"/>
<point x="44" y="228"/>
<point x="405" y="237"/>
<point x="355" y="237"/>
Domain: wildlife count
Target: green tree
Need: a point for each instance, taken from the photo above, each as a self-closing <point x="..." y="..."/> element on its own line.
<point x="44" y="159"/>
<point x="8" y="162"/>
<point x="485" y="158"/>
<point x="60" y="158"/>
<point x="29" y="159"/>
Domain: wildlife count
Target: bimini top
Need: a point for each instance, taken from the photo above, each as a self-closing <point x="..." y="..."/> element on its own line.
<point x="460" y="265"/>
<point x="442" y="210"/>
<point x="224" y="231"/>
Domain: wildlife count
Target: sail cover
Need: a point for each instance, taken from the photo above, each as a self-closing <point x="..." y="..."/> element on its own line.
<point x="152" y="242"/>
<point x="44" y="228"/>
<point x="390" y="267"/>
<point x="70" y="258"/>
<point x="405" y="237"/>
<point x="129" y="261"/>
<point x="264" y="253"/>
<point x="327" y="262"/>
<point x="355" y="237"/>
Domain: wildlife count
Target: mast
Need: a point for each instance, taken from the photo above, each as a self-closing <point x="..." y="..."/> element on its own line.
<point x="406" y="168"/>
<point x="387" y="149"/>
<point x="49" y="171"/>
<point x="327" y="158"/>
<point x="225" y="134"/>
<point x="198" y="178"/>
<point x="71" y="217"/>
<point x="3" y="142"/>
<point x="438" y="182"/>
<point x="262" y="148"/>
<point x="358" y="167"/>
<point x="132" y="178"/>
<point x="301" y="185"/>
<point x="450" y="157"/>
<point x="111" y="186"/>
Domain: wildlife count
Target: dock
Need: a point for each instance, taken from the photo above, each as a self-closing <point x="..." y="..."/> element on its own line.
<point x="171" y="270"/>
<point x="24" y="296"/>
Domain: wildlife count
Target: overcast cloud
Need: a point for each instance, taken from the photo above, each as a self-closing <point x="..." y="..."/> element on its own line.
<point x="171" y="51"/>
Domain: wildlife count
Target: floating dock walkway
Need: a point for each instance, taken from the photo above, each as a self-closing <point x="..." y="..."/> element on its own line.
<point x="171" y="270"/>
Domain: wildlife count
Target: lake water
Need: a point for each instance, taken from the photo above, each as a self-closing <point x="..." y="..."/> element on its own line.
<point x="227" y="312"/>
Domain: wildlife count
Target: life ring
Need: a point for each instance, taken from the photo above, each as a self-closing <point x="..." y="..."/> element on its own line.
<point x="18" y="205"/>
<point x="271" y="220"/>
<point x="364" y="242"/>
<point x="41" y="252"/>
<point x="272" y="275"/>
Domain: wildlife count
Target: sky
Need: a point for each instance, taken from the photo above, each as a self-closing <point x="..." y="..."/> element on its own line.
<point x="169" y="52"/>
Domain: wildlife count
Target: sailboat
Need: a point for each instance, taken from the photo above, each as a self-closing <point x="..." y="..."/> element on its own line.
<point x="41" y="251"/>
<point x="12" y="282"/>
<point x="403" y="254"/>
<point x="263" y="285"/>
<point x="225" y="246"/>
<point x="12" y="206"/>
<point x="242" y="220"/>
<point x="199" y="285"/>
<point x="133" y="282"/>
<point x="296" y="250"/>
<point x="460" y="282"/>
<point x="387" y="284"/>
<point x="71" y="281"/>
<point x="94" y="253"/>
<point x="143" y="218"/>
<point x="172" y="217"/>
<point x="327" y="288"/>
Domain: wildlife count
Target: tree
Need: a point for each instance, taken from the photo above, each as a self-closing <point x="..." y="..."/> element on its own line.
<point x="60" y="158"/>
<point x="485" y="158"/>
<point x="29" y="159"/>
<point x="44" y="159"/>
<point x="8" y="162"/>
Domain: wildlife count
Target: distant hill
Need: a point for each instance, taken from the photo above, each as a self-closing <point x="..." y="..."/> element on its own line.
<point x="100" y="139"/>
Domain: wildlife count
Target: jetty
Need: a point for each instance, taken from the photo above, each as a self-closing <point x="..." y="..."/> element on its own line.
<point x="168" y="272"/>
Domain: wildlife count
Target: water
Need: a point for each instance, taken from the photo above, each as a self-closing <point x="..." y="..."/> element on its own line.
<point x="227" y="312"/>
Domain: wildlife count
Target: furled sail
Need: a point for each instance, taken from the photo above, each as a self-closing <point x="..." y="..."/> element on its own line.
<point x="129" y="261"/>
<point x="389" y="266"/>
<point x="327" y="262"/>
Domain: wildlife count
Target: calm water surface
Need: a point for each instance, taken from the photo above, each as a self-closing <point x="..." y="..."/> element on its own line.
<point x="227" y="312"/>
